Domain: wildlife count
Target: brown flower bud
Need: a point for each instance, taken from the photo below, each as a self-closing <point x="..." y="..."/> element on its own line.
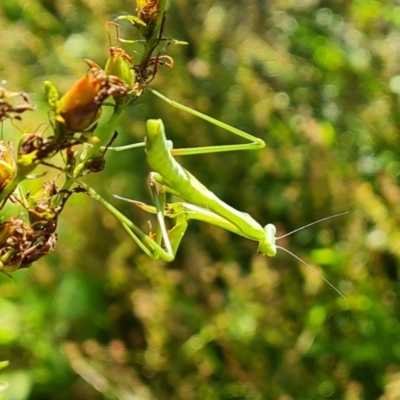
<point x="79" y="108"/>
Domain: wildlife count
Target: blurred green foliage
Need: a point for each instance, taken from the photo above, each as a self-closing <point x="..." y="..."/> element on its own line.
<point x="319" y="81"/>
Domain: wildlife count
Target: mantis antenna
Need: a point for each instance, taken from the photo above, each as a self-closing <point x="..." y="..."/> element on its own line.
<point x="306" y="264"/>
<point x="312" y="223"/>
<point x="314" y="270"/>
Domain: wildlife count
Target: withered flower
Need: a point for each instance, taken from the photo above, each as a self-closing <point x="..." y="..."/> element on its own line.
<point x="147" y="10"/>
<point x="43" y="214"/>
<point x="20" y="245"/>
<point x="23" y="243"/>
<point x="32" y="147"/>
<point x="8" y="110"/>
<point x="7" y="164"/>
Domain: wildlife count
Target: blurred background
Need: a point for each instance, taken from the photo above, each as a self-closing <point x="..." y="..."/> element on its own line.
<point x="319" y="81"/>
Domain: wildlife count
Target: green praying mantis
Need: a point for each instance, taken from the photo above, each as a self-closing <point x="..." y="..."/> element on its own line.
<point x="198" y="202"/>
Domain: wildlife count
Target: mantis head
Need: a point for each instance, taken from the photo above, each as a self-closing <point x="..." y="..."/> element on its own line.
<point x="266" y="246"/>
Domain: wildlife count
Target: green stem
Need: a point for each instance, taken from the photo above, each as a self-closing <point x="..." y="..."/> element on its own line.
<point x="16" y="180"/>
<point x="154" y="39"/>
<point x="107" y="132"/>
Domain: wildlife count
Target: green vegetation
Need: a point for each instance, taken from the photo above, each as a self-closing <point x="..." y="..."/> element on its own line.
<point x="319" y="82"/>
